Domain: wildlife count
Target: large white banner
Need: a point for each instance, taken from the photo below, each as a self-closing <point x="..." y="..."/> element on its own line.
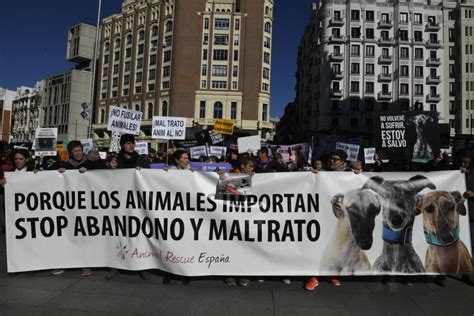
<point x="191" y="223"/>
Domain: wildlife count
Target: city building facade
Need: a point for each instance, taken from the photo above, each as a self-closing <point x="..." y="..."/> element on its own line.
<point x="26" y="113"/>
<point x="200" y="59"/>
<point x="6" y="101"/>
<point x="358" y="58"/>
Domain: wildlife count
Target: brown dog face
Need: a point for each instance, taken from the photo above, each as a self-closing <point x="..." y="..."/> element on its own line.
<point x="441" y="212"/>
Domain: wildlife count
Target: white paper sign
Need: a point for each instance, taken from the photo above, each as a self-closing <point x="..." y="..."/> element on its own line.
<point x="351" y="150"/>
<point x="45" y="141"/>
<point x="216" y="138"/>
<point x="87" y="144"/>
<point x="250" y="142"/>
<point x="141" y="148"/>
<point x="198" y="151"/>
<point x="124" y="120"/>
<point x="103" y="155"/>
<point x="217" y="151"/>
<point x="169" y="127"/>
<point x="369" y="155"/>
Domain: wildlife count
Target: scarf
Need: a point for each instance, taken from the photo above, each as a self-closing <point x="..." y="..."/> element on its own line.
<point x="76" y="164"/>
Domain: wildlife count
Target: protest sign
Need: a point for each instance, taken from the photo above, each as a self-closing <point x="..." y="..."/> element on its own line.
<point x="103" y="155"/>
<point x="125" y="121"/>
<point x="169" y="127"/>
<point x="408" y="136"/>
<point x="249" y="142"/>
<point x="224" y="126"/>
<point x="351" y="150"/>
<point x="184" y="143"/>
<point x="141" y="148"/>
<point x="188" y="223"/>
<point x="369" y="155"/>
<point x="45" y="141"/>
<point x="217" y="151"/>
<point x="216" y="138"/>
<point x="198" y="151"/>
<point x="87" y="144"/>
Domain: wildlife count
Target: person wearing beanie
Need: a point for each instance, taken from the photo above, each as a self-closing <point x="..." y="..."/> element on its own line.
<point x="128" y="157"/>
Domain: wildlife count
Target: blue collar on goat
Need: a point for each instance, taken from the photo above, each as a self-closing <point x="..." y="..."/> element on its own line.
<point x="432" y="239"/>
<point x="397" y="237"/>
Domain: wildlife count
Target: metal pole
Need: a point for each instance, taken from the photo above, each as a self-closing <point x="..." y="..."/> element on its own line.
<point x="94" y="62"/>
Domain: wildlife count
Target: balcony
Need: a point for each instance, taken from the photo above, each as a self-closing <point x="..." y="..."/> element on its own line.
<point x="336" y="39"/>
<point x="433" y="80"/>
<point x="434" y="44"/>
<point x="385" y="24"/>
<point x="336" y="21"/>
<point x="385" y="59"/>
<point x="385" y="77"/>
<point x="337" y="75"/>
<point x="336" y="57"/>
<point x="432" y="27"/>
<point x="386" y="41"/>
<point x="433" y="62"/>
<point x="385" y="95"/>
<point x="335" y="93"/>
<point x="418" y="41"/>
<point x="404" y="41"/>
<point x="433" y="98"/>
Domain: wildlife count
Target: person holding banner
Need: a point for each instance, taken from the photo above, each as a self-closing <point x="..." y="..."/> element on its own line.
<point x="181" y="161"/>
<point x="77" y="159"/>
<point x="23" y="161"/>
<point x="128" y="158"/>
<point x="263" y="161"/>
<point x="337" y="160"/>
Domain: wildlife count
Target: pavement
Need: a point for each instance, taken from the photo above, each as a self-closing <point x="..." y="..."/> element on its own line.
<point x="70" y="294"/>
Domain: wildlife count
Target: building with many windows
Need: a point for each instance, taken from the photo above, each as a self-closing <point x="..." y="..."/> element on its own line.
<point x="26" y="113"/>
<point x="200" y="59"/>
<point x="6" y="100"/>
<point x="359" y="58"/>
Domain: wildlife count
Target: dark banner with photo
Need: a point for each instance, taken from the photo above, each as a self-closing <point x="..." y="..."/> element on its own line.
<point x="408" y="136"/>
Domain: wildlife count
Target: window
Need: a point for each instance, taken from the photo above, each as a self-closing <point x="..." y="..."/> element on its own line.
<point x="140" y="49"/>
<point x="451" y="35"/>
<point x="202" y="109"/>
<point x="164" y="109"/>
<point x="452" y="73"/>
<point x="265" y="87"/>
<point x="166" y="71"/>
<point x="418" y="36"/>
<point x="267" y="42"/>
<point x="355" y="50"/>
<point x="433" y="107"/>
<point x="114" y="94"/>
<point x="117" y="43"/>
<point x="235" y="71"/>
<point x="141" y="35"/>
<point x="418" y="53"/>
<point x="418" y="72"/>
<point x="268" y="27"/>
<point x="203" y="84"/>
<point x="266" y="57"/>
<point x="154" y="45"/>
<point x="169" y="26"/>
<point x="369" y="105"/>
<point x="150" y="111"/>
<point x="266" y="73"/>
<point x="355" y="15"/>
<point x="404" y="18"/>
<point x="236" y="55"/>
<point x="140" y="63"/>
<point x="265" y="112"/>
<point x="369" y="16"/>
<point x="206" y="23"/>
<point x="151" y="87"/>
<point x="233" y="111"/>
<point x="218" y="108"/>
<point x="106" y="59"/>
<point x="236" y="40"/>
<point x="355" y="68"/>
<point x="355" y="32"/>
<point x="152" y="74"/>
<point x="129" y="39"/>
<point x="369" y="69"/>
<point x="221" y="39"/>
<point x="168" y="40"/>
<point x="403" y="35"/>
<point x="335" y="105"/>
<point x="128" y="52"/>
<point x="165" y="85"/>
<point x="114" y="82"/>
<point x="237" y="24"/>
<point x="219" y="84"/>
<point x="126" y="80"/>
<point x="204" y="54"/>
<point x="138" y="90"/>
<point x="452" y="54"/>
<point x="404" y="53"/>
<point x="404" y="89"/>
<point x="152" y="60"/>
<point x="404" y="71"/>
<point x="102" y="116"/>
<point x="220" y="54"/>
<point x="138" y="77"/>
<point x="154" y="31"/>
<point x="417" y="19"/>
<point x="369" y="87"/>
<point x="116" y="56"/>
<point x="221" y="24"/>
<point x="219" y="70"/>
<point x="384" y="35"/>
<point x="354" y="86"/>
<point x="370" y="51"/>
<point x="419" y="89"/>
<point x="369" y="33"/>
<point x="204" y="70"/>
<point x="385" y="18"/>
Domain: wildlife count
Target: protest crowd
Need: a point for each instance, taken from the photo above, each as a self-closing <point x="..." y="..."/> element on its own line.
<point x="23" y="159"/>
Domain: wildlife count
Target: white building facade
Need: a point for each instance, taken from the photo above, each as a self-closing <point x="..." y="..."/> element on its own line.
<point x="26" y="113"/>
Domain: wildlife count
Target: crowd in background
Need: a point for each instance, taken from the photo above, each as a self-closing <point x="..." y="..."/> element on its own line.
<point x="22" y="159"/>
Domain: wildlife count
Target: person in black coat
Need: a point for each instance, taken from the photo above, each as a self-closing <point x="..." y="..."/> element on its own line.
<point x="77" y="159"/>
<point x="128" y="157"/>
